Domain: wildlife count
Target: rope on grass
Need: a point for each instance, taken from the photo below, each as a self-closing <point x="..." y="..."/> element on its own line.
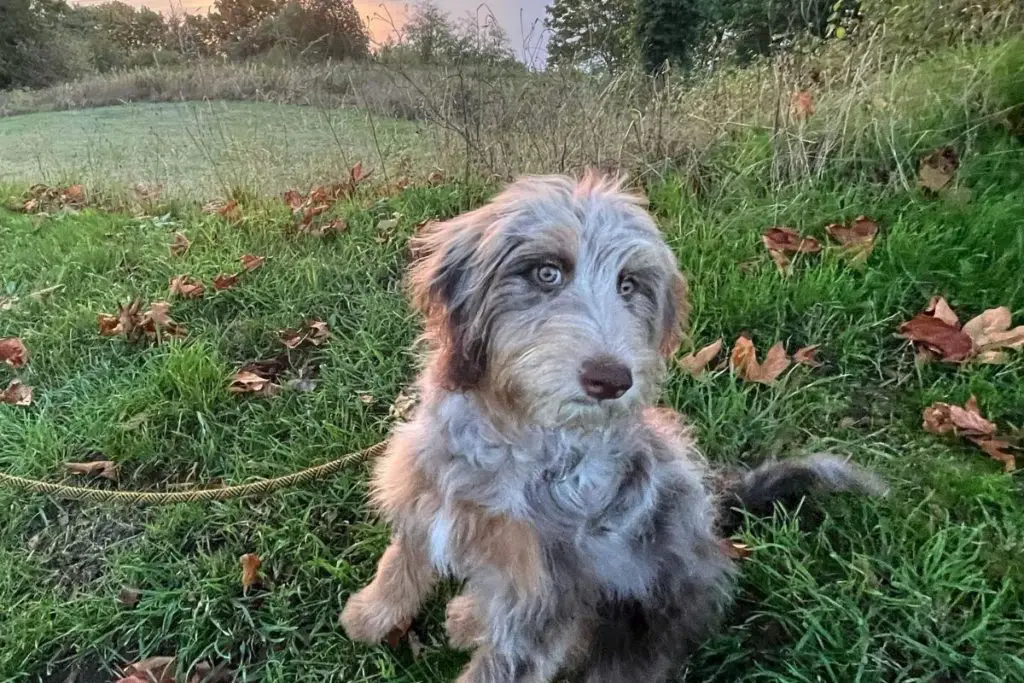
<point x="256" y="488"/>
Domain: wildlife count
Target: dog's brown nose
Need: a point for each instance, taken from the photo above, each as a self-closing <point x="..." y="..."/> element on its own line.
<point x="605" y="378"/>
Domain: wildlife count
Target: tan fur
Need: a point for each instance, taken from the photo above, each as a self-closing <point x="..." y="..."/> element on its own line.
<point x="462" y="624"/>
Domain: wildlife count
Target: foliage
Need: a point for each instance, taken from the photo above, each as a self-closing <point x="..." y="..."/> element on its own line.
<point x="313" y="29"/>
<point x="430" y="36"/>
<point x="29" y="50"/>
<point x="667" y="31"/>
<point x="594" y="34"/>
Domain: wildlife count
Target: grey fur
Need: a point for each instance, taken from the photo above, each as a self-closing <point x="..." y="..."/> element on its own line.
<point x="612" y="494"/>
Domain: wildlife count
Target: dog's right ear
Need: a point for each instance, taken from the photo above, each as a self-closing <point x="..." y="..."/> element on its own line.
<point x="442" y="286"/>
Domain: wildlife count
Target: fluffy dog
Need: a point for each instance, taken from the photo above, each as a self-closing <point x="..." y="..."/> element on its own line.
<point x="537" y="469"/>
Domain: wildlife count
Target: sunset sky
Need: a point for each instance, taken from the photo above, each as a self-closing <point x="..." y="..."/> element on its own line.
<point x="518" y="18"/>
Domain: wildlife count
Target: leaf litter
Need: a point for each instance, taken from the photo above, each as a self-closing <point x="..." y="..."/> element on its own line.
<point x="968" y="422"/>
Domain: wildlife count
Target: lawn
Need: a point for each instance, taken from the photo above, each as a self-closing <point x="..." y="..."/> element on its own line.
<point x="925" y="585"/>
<point x="200" y="150"/>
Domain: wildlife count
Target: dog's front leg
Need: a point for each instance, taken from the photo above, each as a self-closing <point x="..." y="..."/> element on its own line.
<point x="525" y="639"/>
<point x="404" y="579"/>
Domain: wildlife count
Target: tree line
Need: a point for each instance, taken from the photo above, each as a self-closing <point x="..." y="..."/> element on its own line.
<point x="47" y="41"/>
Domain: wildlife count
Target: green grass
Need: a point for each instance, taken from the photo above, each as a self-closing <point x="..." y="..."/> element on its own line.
<point x="203" y="150"/>
<point x="926" y="585"/>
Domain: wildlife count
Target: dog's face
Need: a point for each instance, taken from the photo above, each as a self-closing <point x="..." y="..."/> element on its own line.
<point x="558" y="299"/>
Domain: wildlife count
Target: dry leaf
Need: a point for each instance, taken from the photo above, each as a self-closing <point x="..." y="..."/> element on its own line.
<point x="75" y="194"/>
<point x="148" y="192"/>
<point x="996" y="449"/>
<point x="394" y="637"/>
<point x="109" y="325"/>
<point x="222" y="282"/>
<point x="991" y="331"/>
<point x="939" y="308"/>
<point x="415" y="645"/>
<point x="294" y="199"/>
<point x="250" y="262"/>
<point x="435" y="178"/>
<point x="781" y="241"/>
<point x="945" y="340"/>
<point x="16" y="394"/>
<point x="13" y="352"/>
<point x="7" y="302"/>
<point x="743" y="360"/>
<point x="807" y="355"/>
<point x="403" y="405"/>
<point x="734" y="550"/>
<point x="250" y="570"/>
<point x="229" y="210"/>
<point x="935" y="170"/>
<point x="802" y="105"/>
<point x="247" y="382"/>
<point x="696" y="363"/>
<point x="857" y="239"/>
<point x="366" y="398"/>
<point x="96" y="468"/>
<point x="128" y="597"/>
<point x="180" y="244"/>
<point x="313" y="332"/>
<point x="186" y="287"/>
<point x="152" y="670"/>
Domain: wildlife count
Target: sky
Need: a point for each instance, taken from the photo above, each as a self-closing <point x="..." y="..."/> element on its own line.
<point x="520" y="18"/>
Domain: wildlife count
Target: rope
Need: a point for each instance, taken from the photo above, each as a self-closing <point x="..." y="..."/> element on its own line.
<point x="262" y="487"/>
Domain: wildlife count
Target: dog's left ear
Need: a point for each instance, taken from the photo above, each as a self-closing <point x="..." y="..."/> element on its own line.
<point x="675" y="314"/>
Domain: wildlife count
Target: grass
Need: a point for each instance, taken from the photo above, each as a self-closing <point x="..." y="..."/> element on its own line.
<point x="923" y="586"/>
<point x="203" y="150"/>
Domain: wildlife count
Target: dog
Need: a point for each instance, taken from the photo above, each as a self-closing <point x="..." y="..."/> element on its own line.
<point x="538" y="469"/>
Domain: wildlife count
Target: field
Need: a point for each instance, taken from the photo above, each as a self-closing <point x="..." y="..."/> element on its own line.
<point x="925" y="585"/>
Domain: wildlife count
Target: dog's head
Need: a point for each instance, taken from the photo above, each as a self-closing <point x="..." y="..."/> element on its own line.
<point x="559" y="300"/>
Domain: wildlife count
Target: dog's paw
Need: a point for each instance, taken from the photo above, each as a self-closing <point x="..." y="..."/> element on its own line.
<point x="461" y="624"/>
<point x="368" y="620"/>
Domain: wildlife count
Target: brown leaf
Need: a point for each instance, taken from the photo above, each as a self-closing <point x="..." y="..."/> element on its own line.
<point x="180" y="244"/>
<point x="743" y="360"/>
<point x="313" y="332"/>
<point x="294" y="199"/>
<point x="943" y="418"/>
<point x="186" y="287"/>
<point x="947" y="341"/>
<point x="16" y="394"/>
<point x="936" y="169"/>
<point x="939" y="308"/>
<point x="734" y="550"/>
<point x="157" y="321"/>
<point x="250" y="262"/>
<point x="222" y="282"/>
<point x="991" y="331"/>
<point x="129" y="597"/>
<point x="403" y="405"/>
<point x="13" y="352"/>
<point x="394" y="637"/>
<point x="807" y="355"/>
<point x="802" y="105"/>
<point x="789" y="240"/>
<point x="250" y="570"/>
<point x="75" y="194"/>
<point x="229" y="210"/>
<point x="248" y="382"/>
<point x="110" y="325"/>
<point x="996" y="449"/>
<point x="96" y="468"/>
<point x="696" y="363"/>
<point x="857" y="239"/>
<point x="152" y="670"/>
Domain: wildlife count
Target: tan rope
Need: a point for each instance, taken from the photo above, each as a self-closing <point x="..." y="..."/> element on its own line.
<point x="262" y="487"/>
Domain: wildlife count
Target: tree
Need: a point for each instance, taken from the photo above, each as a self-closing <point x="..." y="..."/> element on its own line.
<point x="668" y="31"/>
<point x="316" y="29"/>
<point x="590" y="33"/>
<point x="429" y="33"/>
<point x="30" y="52"/>
<point x="236" y="20"/>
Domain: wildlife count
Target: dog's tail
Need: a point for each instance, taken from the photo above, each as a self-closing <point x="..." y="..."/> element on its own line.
<point x="787" y="481"/>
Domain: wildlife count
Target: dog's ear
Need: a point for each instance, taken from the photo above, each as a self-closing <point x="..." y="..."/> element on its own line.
<point x="675" y="314"/>
<point x="443" y="286"/>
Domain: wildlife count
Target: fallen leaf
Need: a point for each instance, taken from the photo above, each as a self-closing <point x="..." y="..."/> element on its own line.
<point x="782" y="241"/>
<point x="857" y="239"/>
<point x="247" y="382"/>
<point x="16" y="394"/>
<point x="807" y="355"/>
<point x="936" y="169"/>
<point x="7" y="302"/>
<point x="435" y="178"/>
<point x="394" y="637"/>
<point x="937" y="335"/>
<point x="802" y="105"/>
<point x="991" y="331"/>
<point x="696" y="363"/>
<point x="743" y="360"/>
<point x="148" y="192"/>
<point x="180" y="244"/>
<point x="128" y="597"/>
<point x="96" y="468"/>
<point x="250" y="570"/>
<point x="186" y="287"/>
<point x="222" y="282"/>
<point x="294" y="199"/>
<point x="313" y="332"/>
<point x="250" y="262"/>
<point x="157" y="321"/>
<point x="366" y="398"/>
<point x="387" y="225"/>
<point x="939" y="308"/>
<point x="152" y="670"/>
<point x="735" y="550"/>
<point x="228" y="210"/>
<point x="403" y="406"/>
<point x="75" y="194"/>
<point x="13" y="352"/>
<point x="996" y="449"/>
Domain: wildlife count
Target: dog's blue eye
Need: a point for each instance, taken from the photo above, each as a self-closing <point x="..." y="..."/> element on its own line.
<point x="548" y="275"/>
<point x="627" y="286"/>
